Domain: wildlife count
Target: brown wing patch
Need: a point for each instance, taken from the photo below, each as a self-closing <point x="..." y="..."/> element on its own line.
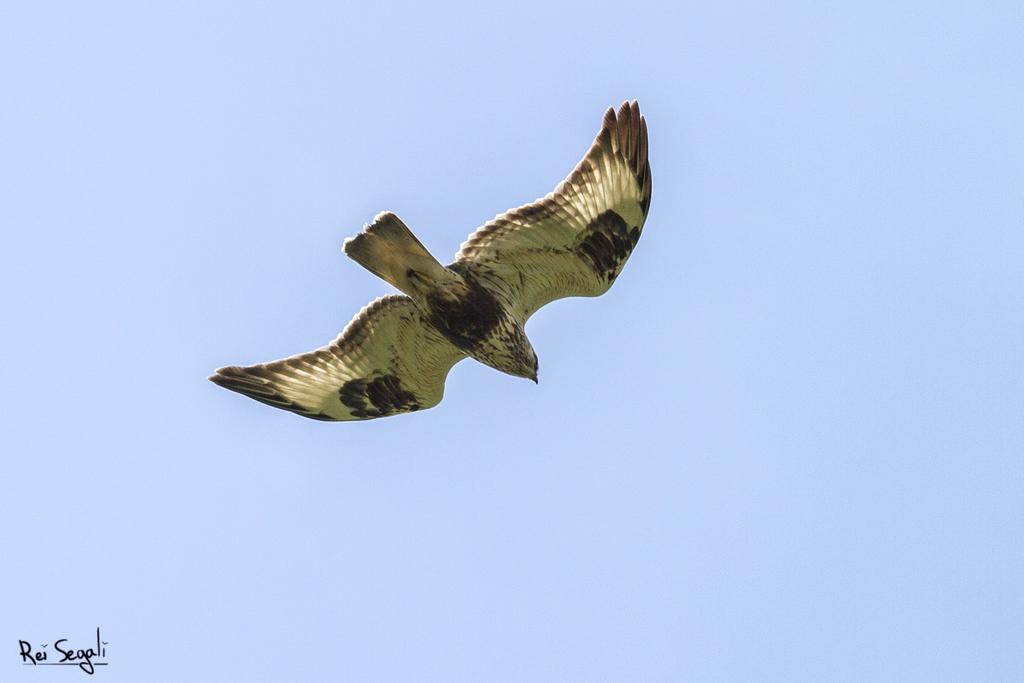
<point x="607" y="243"/>
<point x="377" y="397"/>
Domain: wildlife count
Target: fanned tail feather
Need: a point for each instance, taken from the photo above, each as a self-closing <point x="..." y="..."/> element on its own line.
<point x="388" y="249"/>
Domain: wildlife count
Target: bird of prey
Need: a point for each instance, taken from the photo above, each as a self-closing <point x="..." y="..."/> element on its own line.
<point x="394" y="356"/>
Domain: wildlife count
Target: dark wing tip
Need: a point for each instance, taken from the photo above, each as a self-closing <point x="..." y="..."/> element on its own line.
<point x="628" y="129"/>
<point x="609" y="119"/>
<point x="252" y="381"/>
<point x="643" y="166"/>
<point x="248" y="381"/>
<point x="220" y="375"/>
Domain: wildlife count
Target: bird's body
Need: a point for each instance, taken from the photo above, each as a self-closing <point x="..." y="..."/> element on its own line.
<point x="473" y="319"/>
<point x="395" y="354"/>
<point x="450" y="298"/>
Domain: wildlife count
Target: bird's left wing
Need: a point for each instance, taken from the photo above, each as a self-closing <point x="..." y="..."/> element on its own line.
<point x="388" y="360"/>
<point x="574" y="241"/>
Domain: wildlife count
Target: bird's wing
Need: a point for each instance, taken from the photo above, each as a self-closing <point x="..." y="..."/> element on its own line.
<point x="388" y="360"/>
<point x="574" y="241"/>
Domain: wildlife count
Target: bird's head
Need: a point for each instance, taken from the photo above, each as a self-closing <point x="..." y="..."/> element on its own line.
<point x="535" y="367"/>
<point x="524" y="358"/>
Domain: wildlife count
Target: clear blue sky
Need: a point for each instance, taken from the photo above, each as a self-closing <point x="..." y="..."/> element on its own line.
<point x="787" y="445"/>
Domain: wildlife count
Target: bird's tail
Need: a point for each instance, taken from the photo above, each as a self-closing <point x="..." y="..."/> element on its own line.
<point x="387" y="248"/>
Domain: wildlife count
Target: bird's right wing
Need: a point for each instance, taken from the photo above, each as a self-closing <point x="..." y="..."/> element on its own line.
<point x="574" y="241"/>
<point x="388" y="360"/>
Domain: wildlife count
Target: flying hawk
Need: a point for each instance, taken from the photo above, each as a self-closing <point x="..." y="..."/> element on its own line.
<point x="394" y="356"/>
